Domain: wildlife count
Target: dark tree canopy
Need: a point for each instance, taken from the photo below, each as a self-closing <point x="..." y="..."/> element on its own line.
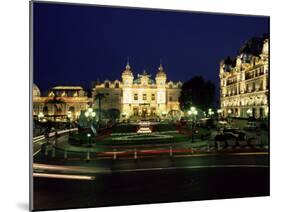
<point x="197" y="92"/>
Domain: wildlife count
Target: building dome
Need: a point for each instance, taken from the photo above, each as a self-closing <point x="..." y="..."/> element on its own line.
<point x="35" y="91"/>
<point x="127" y="71"/>
<point x="161" y="72"/>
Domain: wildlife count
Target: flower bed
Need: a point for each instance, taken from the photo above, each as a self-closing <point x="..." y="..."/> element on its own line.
<point x="140" y="139"/>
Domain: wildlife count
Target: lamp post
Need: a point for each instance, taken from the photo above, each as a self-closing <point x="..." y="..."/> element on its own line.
<point x="219" y="111"/>
<point x="40" y="116"/>
<point x="249" y="113"/>
<point x="210" y="112"/>
<point x="90" y="114"/>
<point x="89" y="139"/>
<point x="193" y="113"/>
<point x="229" y="112"/>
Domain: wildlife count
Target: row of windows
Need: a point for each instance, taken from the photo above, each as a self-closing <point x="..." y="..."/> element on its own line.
<point x="250" y="87"/>
<point x="107" y="85"/>
<point x="144" y="97"/>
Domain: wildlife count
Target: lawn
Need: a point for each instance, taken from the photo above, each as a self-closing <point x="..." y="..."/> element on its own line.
<point x="80" y="139"/>
<point x="143" y="139"/>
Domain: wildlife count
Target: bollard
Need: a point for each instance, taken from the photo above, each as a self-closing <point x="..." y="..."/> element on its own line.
<point x="192" y="150"/>
<point x="65" y="155"/>
<point x="114" y="154"/>
<point x="208" y="148"/>
<point x="88" y="156"/>
<point x="171" y="151"/>
<point x="135" y="155"/>
<point x="53" y="152"/>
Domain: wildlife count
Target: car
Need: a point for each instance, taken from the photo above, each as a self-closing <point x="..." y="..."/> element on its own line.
<point x="251" y="126"/>
<point x="231" y="138"/>
<point x="223" y="125"/>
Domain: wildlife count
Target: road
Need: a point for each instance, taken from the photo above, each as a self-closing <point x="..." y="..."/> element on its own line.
<point x="151" y="180"/>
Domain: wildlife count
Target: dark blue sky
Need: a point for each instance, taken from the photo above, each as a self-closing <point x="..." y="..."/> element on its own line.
<point x="76" y="44"/>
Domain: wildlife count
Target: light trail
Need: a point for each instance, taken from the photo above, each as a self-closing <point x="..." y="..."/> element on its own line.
<point x="69" y="169"/>
<point x="64" y="176"/>
<point x="35" y="153"/>
<point x="192" y="167"/>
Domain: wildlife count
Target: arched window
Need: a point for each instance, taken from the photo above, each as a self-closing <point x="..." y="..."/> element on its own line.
<point x="135" y="96"/>
<point x="153" y="97"/>
<point x="116" y="85"/>
<point x="58" y="110"/>
<point x="107" y="84"/>
<point x="71" y="109"/>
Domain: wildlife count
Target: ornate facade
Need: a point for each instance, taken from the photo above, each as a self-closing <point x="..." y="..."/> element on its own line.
<point x="244" y="82"/>
<point x="139" y="97"/>
<point x="60" y="104"/>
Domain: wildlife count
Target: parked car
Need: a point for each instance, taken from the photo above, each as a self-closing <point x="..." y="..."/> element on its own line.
<point x="251" y="126"/>
<point x="230" y="137"/>
<point x="223" y="125"/>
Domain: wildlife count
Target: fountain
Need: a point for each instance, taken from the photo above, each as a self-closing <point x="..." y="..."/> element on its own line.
<point x="144" y="128"/>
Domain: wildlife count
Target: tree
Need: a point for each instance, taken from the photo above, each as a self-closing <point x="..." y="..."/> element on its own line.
<point x="99" y="97"/>
<point x="197" y="92"/>
<point x="113" y="114"/>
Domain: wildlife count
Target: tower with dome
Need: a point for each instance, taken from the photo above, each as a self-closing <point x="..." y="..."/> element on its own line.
<point x="140" y="96"/>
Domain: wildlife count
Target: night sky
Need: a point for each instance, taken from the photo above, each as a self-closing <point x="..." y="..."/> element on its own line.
<point x="77" y="44"/>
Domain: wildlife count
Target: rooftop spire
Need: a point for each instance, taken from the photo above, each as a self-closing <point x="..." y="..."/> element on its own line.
<point x="144" y="72"/>
<point x="160" y="66"/>
<point x="128" y="63"/>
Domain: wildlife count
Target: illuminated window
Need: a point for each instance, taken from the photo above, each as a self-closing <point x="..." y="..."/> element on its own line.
<point x="153" y="97"/>
<point x="144" y="97"/>
<point x="135" y="96"/>
<point x="261" y="85"/>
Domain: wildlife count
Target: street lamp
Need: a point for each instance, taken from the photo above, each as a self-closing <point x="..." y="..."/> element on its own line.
<point x="219" y="111"/>
<point x="40" y="116"/>
<point x="90" y="114"/>
<point x="193" y="113"/>
<point x="249" y="113"/>
<point x="229" y="112"/>
<point x="210" y="112"/>
<point x="89" y="139"/>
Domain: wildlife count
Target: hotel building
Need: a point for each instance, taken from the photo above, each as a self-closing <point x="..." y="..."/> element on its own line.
<point x="244" y="82"/>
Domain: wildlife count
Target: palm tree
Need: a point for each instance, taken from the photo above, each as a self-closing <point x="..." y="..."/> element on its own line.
<point x="99" y="97"/>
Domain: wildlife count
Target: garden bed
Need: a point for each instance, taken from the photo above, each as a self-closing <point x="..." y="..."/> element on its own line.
<point x="143" y="139"/>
